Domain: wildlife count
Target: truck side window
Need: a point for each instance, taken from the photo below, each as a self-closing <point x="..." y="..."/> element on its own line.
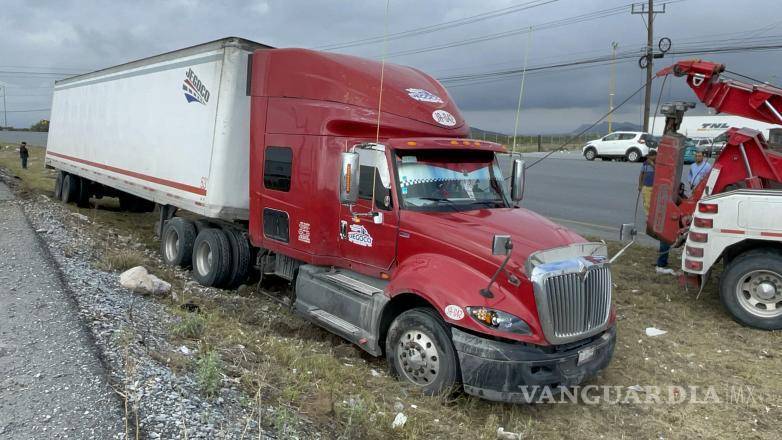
<point x="277" y="168"/>
<point x="382" y="194"/>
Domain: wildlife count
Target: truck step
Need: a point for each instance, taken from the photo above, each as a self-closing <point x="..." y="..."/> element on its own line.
<point x="352" y="283"/>
<point x="334" y="322"/>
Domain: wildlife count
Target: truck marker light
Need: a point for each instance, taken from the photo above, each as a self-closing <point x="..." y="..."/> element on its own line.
<point x="698" y="237"/>
<point x="708" y="208"/>
<point x="703" y="222"/>
<point x="695" y="252"/>
<point x="412" y="143"/>
<point x="477" y="144"/>
<point x="693" y="265"/>
<point x="348" y="170"/>
<point x="385" y="276"/>
<point x="454" y="312"/>
<point x="466" y="143"/>
<point x="454" y="142"/>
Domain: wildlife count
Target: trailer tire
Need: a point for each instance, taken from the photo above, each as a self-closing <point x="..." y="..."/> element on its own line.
<point x="70" y="188"/>
<point x="176" y="242"/>
<point x="240" y="257"/>
<point x="58" y="185"/>
<point x="419" y="350"/>
<point x="83" y="199"/>
<point x="750" y="284"/>
<point x="590" y="153"/>
<point x="211" y="258"/>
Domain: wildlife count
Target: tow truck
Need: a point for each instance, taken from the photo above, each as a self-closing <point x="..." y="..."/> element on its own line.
<point x="733" y="215"/>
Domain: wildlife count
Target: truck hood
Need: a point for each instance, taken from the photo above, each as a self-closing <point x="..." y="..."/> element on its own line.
<point x="472" y="231"/>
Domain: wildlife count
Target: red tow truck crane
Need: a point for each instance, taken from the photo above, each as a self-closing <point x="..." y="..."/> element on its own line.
<point x="735" y="213"/>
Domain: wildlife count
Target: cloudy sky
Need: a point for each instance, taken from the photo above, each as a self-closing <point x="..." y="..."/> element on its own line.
<point x="463" y="42"/>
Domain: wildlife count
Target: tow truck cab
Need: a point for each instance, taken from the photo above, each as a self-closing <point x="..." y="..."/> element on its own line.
<point x="399" y="234"/>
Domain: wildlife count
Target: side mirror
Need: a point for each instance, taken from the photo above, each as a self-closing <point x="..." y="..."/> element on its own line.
<point x="517" y="180"/>
<point x="348" y="179"/>
<point x="501" y="245"/>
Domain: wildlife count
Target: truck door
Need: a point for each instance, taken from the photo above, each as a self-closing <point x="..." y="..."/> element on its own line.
<point x="362" y="241"/>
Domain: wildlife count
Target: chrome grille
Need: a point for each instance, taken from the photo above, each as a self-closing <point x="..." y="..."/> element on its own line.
<point x="576" y="304"/>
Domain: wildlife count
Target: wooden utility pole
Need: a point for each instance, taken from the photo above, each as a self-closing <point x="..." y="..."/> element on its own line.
<point x="648" y="10"/>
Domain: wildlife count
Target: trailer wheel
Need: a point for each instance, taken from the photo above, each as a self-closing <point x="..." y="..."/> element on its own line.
<point x="70" y="188"/>
<point x="211" y="257"/>
<point x="751" y="289"/>
<point x="58" y="185"/>
<point x="176" y="242"/>
<point x="419" y="350"/>
<point x="83" y="199"/>
<point x="240" y="257"/>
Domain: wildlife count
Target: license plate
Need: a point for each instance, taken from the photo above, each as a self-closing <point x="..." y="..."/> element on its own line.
<point x="585" y="355"/>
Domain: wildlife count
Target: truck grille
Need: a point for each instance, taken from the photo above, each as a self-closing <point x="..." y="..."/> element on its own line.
<point x="575" y="305"/>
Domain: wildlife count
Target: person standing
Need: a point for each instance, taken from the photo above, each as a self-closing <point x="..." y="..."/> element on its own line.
<point x="24" y="154"/>
<point x="698" y="170"/>
<point x="645" y="184"/>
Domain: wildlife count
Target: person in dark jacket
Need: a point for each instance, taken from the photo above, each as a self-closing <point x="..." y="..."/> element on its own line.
<point x="24" y="153"/>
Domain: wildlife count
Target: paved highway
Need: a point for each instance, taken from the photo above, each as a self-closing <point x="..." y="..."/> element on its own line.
<point x="592" y="198"/>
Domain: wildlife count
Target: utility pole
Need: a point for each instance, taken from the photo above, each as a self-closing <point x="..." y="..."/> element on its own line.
<point x="612" y="84"/>
<point x="5" y="110"/>
<point x="649" y="11"/>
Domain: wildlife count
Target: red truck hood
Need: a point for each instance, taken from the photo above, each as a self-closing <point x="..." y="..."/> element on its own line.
<point x="472" y="232"/>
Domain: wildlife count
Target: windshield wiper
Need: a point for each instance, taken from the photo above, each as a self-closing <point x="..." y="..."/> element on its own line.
<point x="441" y="199"/>
<point x="495" y="203"/>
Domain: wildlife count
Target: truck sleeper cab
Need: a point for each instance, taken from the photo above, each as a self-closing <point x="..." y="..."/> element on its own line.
<point x="416" y="252"/>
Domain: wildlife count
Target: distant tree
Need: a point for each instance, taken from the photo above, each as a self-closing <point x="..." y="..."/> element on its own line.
<point x="42" y="125"/>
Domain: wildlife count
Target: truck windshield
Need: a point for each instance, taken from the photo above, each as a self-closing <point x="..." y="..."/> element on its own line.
<point x="448" y="180"/>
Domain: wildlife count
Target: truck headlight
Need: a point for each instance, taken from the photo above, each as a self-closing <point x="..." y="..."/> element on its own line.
<point x="499" y="320"/>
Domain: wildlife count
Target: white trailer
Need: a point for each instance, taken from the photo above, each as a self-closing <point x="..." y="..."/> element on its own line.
<point x="709" y="127"/>
<point x="188" y="149"/>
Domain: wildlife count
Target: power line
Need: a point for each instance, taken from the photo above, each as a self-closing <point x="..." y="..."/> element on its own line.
<point x="29" y="111"/>
<point x="440" y="26"/>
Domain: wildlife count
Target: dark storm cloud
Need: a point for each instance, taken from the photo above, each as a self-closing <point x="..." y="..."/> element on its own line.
<point x="75" y="36"/>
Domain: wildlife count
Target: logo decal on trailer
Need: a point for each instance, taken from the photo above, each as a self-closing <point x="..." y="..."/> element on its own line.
<point x="424" y="96"/>
<point x="442" y="117"/>
<point x="359" y="235"/>
<point x="194" y="89"/>
<point x="304" y="232"/>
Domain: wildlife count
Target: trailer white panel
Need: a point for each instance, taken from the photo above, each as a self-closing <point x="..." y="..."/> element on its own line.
<point x="709" y="127"/>
<point x="173" y="128"/>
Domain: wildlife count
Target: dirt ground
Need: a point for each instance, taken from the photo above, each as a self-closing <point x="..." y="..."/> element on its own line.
<point x="706" y="377"/>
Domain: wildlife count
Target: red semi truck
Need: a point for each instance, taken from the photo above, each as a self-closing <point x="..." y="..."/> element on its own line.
<point x="395" y="231"/>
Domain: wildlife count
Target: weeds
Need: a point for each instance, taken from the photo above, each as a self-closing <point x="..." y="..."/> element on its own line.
<point x="121" y="260"/>
<point x="192" y="326"/>
<point x="208" y="372"/>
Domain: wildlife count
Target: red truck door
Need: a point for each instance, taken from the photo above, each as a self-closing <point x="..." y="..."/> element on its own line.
<point x="366" y="245"/>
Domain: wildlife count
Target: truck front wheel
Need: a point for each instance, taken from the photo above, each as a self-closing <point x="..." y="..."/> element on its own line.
<point x="751" y="289"/>
<point x="70" y="188"/>
<point x="58" y="185"/>
<point x="419" y="350"/>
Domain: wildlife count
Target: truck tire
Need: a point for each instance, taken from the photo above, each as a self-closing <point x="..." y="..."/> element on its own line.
<point x="176" y="242"/>
<point x="211" y="258"/>
<point x="70" y="188"/>
<point x="751" y="289"/>
<point x="590" y="154"/>
<point x="58" y="185"/>
<point x="634" y="155"/>
<point x="419" y="350"/>
<point x="240" y="257"/>
<point x="83" y="199"/>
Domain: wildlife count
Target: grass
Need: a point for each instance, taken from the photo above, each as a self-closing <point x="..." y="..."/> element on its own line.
<point x="121" y="260"/>
<point x="291" y="364"/>
<point x="208" y="372"/>
<point x="191" y="326"/>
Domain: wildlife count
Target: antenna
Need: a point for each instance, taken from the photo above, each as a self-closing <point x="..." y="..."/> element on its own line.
<point x="380" y="97"/>
<point x="521" y="91"/>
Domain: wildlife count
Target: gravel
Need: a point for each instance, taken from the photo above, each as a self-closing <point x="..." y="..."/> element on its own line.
<point x="131" y="334"/>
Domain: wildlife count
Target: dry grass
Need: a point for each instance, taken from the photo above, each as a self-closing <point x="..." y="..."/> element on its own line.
<point x="121" y="260"/>
<point x="287" y="362"/>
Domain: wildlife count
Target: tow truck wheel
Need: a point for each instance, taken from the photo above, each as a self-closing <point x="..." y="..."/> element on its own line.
<point x="211" y="258"/>
<point x="176" y="242"/>
<point x="419" y="350"/>
<point x="751" y="289"/>
<point x="590" y="154"/>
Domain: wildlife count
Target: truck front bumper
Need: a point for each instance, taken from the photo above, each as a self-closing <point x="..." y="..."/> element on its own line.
<point x="518" y="373"/>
